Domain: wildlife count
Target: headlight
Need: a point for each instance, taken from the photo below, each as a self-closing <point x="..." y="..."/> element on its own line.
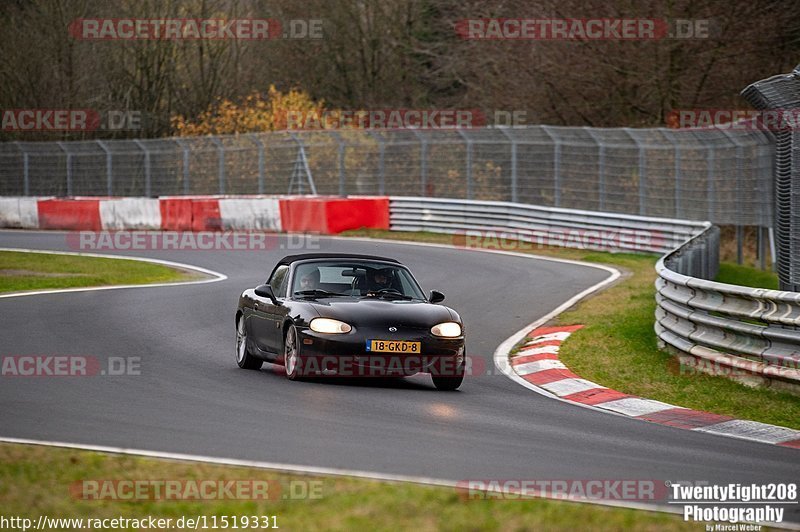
<point x="330" y="326"/>
<point x="448" y="329"/>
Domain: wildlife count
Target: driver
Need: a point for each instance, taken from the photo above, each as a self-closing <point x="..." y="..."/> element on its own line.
<point x="310" y="280"/>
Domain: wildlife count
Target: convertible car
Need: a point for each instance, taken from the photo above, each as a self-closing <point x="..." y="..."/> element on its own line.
<point x="349" y="316"/>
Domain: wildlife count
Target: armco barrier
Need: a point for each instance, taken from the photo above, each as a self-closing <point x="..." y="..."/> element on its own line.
<point x="749" y="334"/>
<point x="473" y="220"/>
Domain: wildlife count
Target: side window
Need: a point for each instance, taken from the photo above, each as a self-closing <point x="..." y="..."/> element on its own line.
<point x="278" y="281"/>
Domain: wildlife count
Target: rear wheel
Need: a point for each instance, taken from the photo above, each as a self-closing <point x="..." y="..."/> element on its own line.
<point x="291" y="355"/>
<point x="244" y="359"/>
<point x="449" y="383"/>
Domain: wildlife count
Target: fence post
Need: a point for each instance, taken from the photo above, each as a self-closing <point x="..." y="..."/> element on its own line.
<point x="513" y="163"/>
<point x="147" y="168"/>
<point x="381" y="162"/>
<point x="185" y="149"/>
<point x="341" y="162"/>
<point x="710" y="181"/>
<point x="26" y="182"/>
<point x="601" y="167"/>
<point x="642" y="172"/>
<point x="221" y="163"/>
<point x="676" y="172"/>
<point x="739" y="172"/>
<point x="423" y="163"/>
<point x="301" y="165"/>
<point x="260" y="144"/>
<point x="467" y="161"/>
<point x="69" y="168"/>
<point x="556" y="165"/>
<point x="109" y="169"/>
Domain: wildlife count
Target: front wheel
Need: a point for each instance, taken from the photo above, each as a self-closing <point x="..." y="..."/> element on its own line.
<point x="291" y="355"/>
<point x="244" y="359"/>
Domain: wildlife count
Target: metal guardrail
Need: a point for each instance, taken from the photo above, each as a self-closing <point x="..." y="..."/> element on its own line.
<point x="484" y="222"/>
<point x="750" y="334"/>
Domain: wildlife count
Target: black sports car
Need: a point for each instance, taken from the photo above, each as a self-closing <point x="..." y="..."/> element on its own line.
<point x="349" y="316"/>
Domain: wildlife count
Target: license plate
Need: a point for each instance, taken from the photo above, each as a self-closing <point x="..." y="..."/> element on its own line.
<point x="393" y="346"/>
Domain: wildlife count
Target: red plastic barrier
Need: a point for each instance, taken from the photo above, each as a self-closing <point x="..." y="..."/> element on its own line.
<point x="79" y="215"/>
<point x="334" y="215"/>
<point x="355" y="213"/>
<point x="303" y="215"/>
<point x="176" y="214"/>
<point x="205" y="215"/>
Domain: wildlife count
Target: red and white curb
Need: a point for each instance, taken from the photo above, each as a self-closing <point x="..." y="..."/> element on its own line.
<point x="537" y="363"/>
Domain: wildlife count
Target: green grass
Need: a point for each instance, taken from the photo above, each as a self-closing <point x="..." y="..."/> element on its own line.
<point x="732" y="273"/>
<point x="36" y="481"/>
<point x="617" y="348"/>
<point x="20" y="271"/>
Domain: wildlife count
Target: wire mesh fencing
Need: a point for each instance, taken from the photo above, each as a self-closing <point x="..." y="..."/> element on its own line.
<point x="724" y="176"/>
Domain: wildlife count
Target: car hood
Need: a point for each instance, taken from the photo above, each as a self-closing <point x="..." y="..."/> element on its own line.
<point x="369" y="312"/>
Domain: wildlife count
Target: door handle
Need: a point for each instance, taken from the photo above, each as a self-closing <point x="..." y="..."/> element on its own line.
<point x="256" y="306"/>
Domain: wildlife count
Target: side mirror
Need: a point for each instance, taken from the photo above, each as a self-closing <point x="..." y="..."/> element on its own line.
<point x="265" y="290"/>
<point x="436" y="296"/>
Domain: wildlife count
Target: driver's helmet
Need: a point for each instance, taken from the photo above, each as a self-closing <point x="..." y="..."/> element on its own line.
<point x="383" y="278"/>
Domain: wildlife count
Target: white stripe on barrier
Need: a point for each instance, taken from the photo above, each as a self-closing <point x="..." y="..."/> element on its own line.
<point x="258" y="214"/>
<point x="569" y="386"/>
<point x="19" y="213"/>
<point x="130" y="213"/>
<point x="752" y="430"/>
<point x="634" y="406"/>
<point x="538" y="365"/>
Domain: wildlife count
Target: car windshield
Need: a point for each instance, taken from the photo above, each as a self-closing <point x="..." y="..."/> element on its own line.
<point x="359" y="279"/>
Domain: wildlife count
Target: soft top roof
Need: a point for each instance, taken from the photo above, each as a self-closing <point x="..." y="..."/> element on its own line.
<point x="310" y="256"/>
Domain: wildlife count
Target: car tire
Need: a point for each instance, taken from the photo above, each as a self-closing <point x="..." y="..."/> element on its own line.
<point x="243" y="358"/>
<point x="449" y="383"/>
<point x="292" y="362"/>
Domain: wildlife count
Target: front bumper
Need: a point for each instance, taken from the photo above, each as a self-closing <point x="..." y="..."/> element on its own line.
<point x="345" y="355"/>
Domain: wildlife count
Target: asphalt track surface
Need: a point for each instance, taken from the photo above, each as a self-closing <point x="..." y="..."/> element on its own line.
<point x="191" y="397"/>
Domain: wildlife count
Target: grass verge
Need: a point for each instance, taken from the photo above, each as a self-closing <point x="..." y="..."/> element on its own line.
<point x="340" y="503"/>
<point x="732" y="273"/>
<point x="617" y="347"/>
<point x="20" y="271"/>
